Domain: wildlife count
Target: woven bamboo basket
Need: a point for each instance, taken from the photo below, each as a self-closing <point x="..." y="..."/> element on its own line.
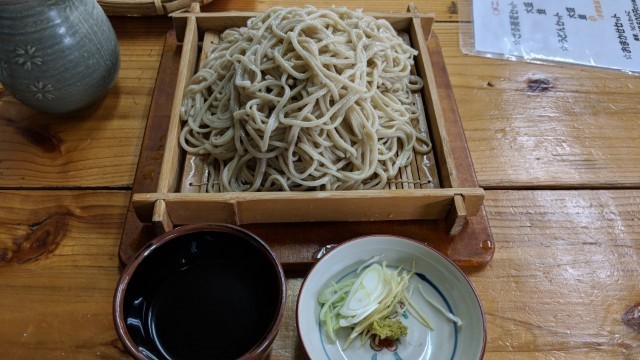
<point x="146" y="7"/>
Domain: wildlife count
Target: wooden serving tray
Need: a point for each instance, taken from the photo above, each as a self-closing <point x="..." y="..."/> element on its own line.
<point x="451" y="218"/>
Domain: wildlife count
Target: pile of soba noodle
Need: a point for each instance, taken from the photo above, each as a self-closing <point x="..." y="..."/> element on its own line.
<point x="304" y="99"/>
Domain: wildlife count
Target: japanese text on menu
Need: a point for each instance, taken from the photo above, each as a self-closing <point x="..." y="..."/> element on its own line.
<point x="595" y="32"/>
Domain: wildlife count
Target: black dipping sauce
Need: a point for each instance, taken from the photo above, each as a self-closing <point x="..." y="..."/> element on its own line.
<point x="202" y="297"/>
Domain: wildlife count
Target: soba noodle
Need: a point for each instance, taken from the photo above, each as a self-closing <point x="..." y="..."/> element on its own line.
<point x="305" y="99"/>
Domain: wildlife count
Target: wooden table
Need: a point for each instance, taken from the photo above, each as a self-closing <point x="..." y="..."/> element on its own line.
<point x="559" y="163"/>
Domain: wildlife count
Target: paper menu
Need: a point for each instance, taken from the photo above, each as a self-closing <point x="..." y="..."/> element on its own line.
<point x="602" y="33"/>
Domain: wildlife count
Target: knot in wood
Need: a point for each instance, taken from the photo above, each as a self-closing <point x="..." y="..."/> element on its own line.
<point x="631" y="317"/>
<point x="539" y="85"/>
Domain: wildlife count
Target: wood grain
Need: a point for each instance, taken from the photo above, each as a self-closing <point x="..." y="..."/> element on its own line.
<point x="562" y="126"/>
<point x="560" y="286"/>
<point x="355" y="205"/>
<point x="148" y="169"/>
<point x="95" y="147"/>
<point x="563" y="276"/>
<point x="565" y="273"/>
<point x="58" y="305"/>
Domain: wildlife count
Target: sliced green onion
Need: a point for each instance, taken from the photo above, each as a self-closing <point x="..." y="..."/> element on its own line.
<point x="373" y="293"/>
<point x="447" y="314"/>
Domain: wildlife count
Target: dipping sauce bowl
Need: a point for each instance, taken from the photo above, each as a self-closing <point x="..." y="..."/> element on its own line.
<point x="201" y="291"/>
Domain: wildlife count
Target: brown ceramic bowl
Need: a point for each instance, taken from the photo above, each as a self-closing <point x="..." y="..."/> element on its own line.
<point x="201" y="291"/>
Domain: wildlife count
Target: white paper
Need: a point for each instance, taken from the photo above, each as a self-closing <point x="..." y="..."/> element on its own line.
<point x="602" y="33"/>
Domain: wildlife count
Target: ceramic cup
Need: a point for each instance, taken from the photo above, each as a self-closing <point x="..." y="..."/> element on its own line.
<point x="201" y="291"/>
<point x="57" y="56"/>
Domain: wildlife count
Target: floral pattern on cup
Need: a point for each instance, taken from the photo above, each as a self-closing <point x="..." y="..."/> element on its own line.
<point x="27" y="56"/>
<point x="42" y="91"/>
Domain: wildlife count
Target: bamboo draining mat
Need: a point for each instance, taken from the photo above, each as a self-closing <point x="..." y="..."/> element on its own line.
<point x="422" y="173"/>
<point x="145" y="7"/>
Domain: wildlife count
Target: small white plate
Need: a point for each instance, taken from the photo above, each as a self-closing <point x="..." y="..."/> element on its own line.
<point x="440" y="279"/>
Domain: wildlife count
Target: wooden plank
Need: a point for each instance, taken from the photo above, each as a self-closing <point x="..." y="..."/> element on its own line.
<point x="170" y="169"/>
<point x="273" y="207"/>
<point x="220" y="21"/>
<point x="457" y="216"/>
<point x="571" y="257"/>
<point x="476" y="230"/>
<point x="40" y="150"/>
<point x="440" y="139"/>
<point x="565" y="273"/>
<point x="161" y="219"/>
<point x="444" y="10"/>
<point x="149" y="161"/>
<point x="195" y="171"/>
<point x="456" y="134"/>
<point x="58" y="270"/>
<point x="545" y="126"/>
